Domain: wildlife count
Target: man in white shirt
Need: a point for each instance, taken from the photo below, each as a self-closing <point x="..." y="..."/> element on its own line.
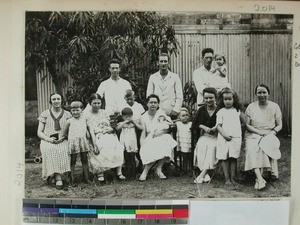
<point x="167" y="86"/>
<point x="113" y="89"/>
<point x="205" y="76"/>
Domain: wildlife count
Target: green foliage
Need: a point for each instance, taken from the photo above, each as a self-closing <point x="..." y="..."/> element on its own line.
<point x="87" y="41"/>
<point x="190" y="97"/>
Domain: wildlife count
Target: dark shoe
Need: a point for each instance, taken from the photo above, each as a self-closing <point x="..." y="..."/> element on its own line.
<point x="272" y="177"/>
<point x="51" y="181"/>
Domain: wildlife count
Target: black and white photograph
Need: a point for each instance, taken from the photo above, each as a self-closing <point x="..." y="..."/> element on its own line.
<point x="157" y="105"/>
<point x="150" y="104"/>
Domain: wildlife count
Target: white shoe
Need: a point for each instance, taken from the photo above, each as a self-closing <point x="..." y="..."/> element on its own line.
<point x="143" y="176"/>
<point x="206" y="178"/>
<point x="160" y="175"/>
<point x="101" y="178"/>
<point x="121" y="177"/>
<point x="199" y="180"/>
<point x="260" y="184"/>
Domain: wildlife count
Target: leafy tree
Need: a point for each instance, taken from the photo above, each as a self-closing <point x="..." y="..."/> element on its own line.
<point x="88" y="40"/>
<point x="46" y="47"/>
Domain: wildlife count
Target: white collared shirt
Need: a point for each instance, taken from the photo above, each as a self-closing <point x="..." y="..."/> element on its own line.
<point x="113" y="92"/>
<point x="168" y="89"/>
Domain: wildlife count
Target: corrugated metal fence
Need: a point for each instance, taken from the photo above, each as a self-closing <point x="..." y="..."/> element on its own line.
<point x="45" y="87"/>
<point x="251" y="59"/>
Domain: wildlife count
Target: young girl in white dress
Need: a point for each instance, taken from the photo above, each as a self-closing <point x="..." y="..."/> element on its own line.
<point x="229" y="138"/>
<point x="221" y="70"/>
<point x="184" y="137"/>
<point x="128" y="139"/>
<point x="76" y="131"/>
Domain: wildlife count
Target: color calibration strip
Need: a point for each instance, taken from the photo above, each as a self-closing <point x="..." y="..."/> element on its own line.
<point x="105" y="212"/>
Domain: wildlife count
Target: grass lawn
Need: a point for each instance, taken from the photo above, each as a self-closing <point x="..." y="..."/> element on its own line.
<point x="175" y="186"/>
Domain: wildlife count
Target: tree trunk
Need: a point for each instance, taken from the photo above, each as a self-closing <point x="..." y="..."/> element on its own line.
<point x="59" y="86"/>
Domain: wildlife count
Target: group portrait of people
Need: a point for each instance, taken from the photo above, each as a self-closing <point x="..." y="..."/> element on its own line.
<point x="145" y="139"/>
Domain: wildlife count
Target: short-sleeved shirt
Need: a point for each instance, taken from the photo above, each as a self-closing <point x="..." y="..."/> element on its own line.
<point x="263" y="118"/>
<point x="136" y="108"/>
<point x="46" y="118"/>
<point x="113" y="92"/>
<point x="78" y="127"/>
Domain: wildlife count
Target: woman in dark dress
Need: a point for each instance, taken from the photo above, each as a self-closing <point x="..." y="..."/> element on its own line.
<point x="204" y="127"/>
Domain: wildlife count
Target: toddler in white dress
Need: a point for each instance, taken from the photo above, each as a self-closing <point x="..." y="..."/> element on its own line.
<point x="184" y="137"/>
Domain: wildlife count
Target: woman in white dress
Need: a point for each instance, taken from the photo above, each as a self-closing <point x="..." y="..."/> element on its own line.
<point x="156" y="147"/>
<point x="263" y="121"/>
<point x="111" y="150"/>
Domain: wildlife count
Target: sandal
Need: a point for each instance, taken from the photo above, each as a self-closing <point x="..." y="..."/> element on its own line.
<point x="59" y="184"/>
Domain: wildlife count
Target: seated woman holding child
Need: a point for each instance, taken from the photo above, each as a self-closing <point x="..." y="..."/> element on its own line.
<point x="157" y="145"/>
